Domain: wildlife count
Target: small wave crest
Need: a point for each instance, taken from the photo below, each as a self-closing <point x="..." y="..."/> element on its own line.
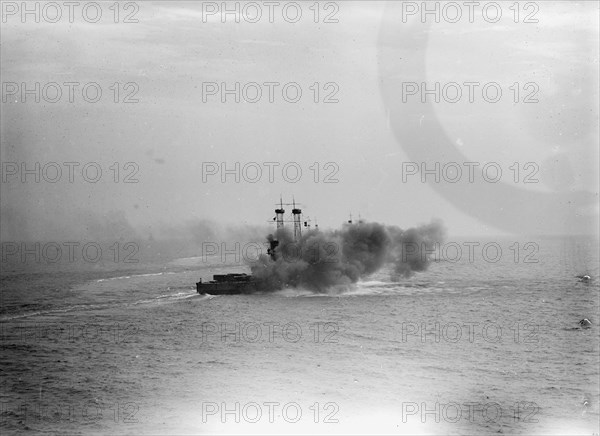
<point x="373" y="287"/>
<point x="159" y="299"/>
<point x="133" y="276"/>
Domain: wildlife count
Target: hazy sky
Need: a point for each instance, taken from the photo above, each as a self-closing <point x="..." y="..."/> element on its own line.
<point x="370" y="134"/>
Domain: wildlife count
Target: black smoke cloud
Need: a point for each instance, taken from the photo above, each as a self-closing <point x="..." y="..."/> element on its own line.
<point x="323" y="260"/>
<point x="409" y="248"/>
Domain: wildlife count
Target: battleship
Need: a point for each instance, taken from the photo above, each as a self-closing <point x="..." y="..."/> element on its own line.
<point x="241" y="283"/>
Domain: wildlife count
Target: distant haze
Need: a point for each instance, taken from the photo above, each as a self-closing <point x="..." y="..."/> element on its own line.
<point x="170" y="132"/>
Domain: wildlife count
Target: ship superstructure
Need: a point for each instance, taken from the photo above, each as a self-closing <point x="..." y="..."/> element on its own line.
<point x="240" y="283"/>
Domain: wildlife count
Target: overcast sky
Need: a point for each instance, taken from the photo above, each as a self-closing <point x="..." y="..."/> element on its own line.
<point x="370" y="134"/>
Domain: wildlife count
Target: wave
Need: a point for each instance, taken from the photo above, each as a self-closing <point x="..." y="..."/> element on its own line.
<point x="175" y="297"/>
<point x="66" y="309"/>
<point x="134" y="275"/>
<point x="294" y="292"/>
<point x="370" y="283"/>
<point x="381" y="288"/>
<point x="160" y="299"/>
<point x="373" y="287"/>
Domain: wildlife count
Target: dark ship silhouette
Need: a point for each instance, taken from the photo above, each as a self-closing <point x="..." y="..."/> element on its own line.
<point x="240" y="283"/>
<point x="229" y="284"/>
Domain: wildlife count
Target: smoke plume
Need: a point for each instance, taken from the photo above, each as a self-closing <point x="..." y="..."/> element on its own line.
<point x="320" y="260"/>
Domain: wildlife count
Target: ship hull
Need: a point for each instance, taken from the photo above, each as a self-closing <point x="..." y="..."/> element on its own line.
<point x="227" y="288"/>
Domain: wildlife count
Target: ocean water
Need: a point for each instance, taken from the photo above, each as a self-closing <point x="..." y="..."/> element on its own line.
<point x="467" y="347"/>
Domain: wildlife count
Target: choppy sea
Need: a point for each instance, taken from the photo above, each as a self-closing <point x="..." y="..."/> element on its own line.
<point x="468" y="347"/>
